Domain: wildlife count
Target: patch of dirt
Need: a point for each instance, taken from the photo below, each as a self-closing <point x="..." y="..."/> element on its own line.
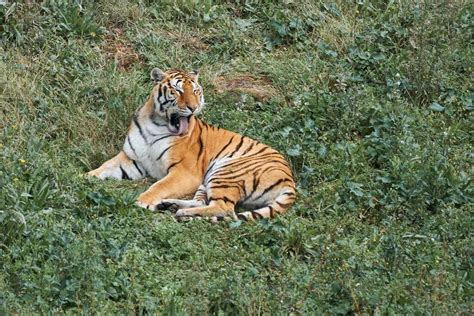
<point x="185" y="39"/>
<point x="260" y="88"/>
<point x="118" y="48"/>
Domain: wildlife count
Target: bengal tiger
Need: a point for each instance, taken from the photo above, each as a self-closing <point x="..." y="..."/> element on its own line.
<point x="223" y="170"/>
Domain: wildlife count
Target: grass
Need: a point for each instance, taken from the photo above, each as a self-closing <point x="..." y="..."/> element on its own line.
<point x="371" y="102"/>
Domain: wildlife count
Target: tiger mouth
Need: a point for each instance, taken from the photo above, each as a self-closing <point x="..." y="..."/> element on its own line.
<point x="178" y="125"/>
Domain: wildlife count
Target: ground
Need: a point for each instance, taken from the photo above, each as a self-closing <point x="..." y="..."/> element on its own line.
<point x="370" y="101"/>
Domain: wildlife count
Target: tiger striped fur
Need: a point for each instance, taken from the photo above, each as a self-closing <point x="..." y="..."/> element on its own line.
<point x="223" y="170"/>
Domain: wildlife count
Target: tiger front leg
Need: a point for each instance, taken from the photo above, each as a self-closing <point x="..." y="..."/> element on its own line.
<point x="177" y="184"/>
<point x="119" y="167"/>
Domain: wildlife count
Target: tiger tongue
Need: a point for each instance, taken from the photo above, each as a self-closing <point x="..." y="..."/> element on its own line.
<point x="183" y="125"/>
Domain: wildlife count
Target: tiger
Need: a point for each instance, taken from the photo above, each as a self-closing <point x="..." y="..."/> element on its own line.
<point x="229" y="175"/>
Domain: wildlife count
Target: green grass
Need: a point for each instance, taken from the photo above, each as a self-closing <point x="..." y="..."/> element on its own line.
<point x="371" y="103"/>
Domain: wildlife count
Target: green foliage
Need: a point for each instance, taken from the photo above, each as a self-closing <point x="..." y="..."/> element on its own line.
<point x="370" y="101"/>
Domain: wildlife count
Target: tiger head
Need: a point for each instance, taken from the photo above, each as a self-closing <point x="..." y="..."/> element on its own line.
<point x="176" y="96"/>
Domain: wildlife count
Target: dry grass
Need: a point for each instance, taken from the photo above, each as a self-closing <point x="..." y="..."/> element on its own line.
<point x="260" y="88"/>
<point x="184" y="39"/>
<point x="119" y="49"/>
<point x="338" y="31"/>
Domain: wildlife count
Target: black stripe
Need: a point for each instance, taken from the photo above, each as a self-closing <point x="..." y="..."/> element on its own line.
<point x="242" y="217"/>
<point x="163" y="152"/>
<point x="249" y="148"/>
<point x="240" y="184"/>
<point x="272" y="212"/>
<point x="201" y="145"/>
<point x="256" y="215"/>
<point x="271" y="168"/>
<point x="217" y="181"/>
<point x="172" y="165"/>
<point x="124" y="174"/>
<point x="165" y="89"/>
<point x="244" y="186"/>
<point x="283" y="205"/>
<point x="224" y="198"/>
<point x="130" y="144"/>
<point x="238" y="146"/>
<point x="160" y="94"/>
<point x="200" y="195"/>
<point x="224" y="186"/>
<point x="223" y="148"/>
<point x="261" y="150"/>
<point x="271" y="187"/>
<point x="135" y="120"/>
<point x="168" y="101"/>
<point x="256" y="181"/>
<point x="136" y="166"/>
<point x="162" y="104"/>
<point x="158" y="139"/>
<point x="285" y="171"/>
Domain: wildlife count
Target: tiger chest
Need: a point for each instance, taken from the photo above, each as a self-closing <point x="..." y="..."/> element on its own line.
<point x="150" y="148"/>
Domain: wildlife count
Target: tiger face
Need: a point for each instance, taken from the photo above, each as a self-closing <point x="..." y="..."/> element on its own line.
<point x="177" y="96"/>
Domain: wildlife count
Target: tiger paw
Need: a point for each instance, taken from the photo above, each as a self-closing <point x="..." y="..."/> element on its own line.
<point x="167" y="206"/>
<point x="145" y="201"/>
<point x="218" y="219"/>
<point x="212" y="219"/>
<point x="185" y="213"/>
<point x="186" y="218"/>
<point x="93" y="173"/>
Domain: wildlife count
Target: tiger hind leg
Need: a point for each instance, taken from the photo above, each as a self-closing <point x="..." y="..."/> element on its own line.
<point x="174" y="205"/>
<point x="220" y="205"/>
<point x="280" y="205"/>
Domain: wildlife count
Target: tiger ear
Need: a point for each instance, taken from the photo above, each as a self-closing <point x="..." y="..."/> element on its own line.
<point x="157" y="75"/>
<point x="194" y="74"/>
